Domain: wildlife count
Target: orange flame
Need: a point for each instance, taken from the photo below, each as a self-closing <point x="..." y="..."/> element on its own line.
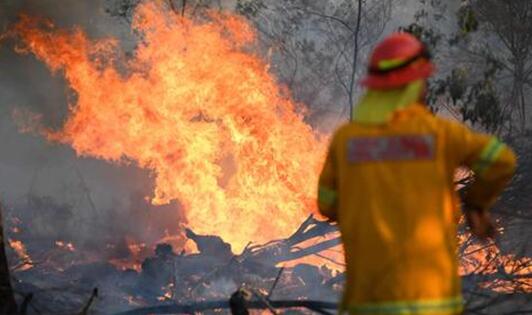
<point x="487" y="259"/>
<point x="198" y="109"/>
<point x="22" y="253"/>
<point x="68" y="246"/>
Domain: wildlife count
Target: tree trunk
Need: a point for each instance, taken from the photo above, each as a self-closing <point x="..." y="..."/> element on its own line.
<point x="7" y="299"/>
<point x="352" y="82"/>
<point x="523" y="106"/>
<point x="519" y="86"/>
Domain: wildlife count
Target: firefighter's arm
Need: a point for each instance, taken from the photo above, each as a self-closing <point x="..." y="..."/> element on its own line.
<point x="493" y="164"/>
<point x="327" y="187"/>
<point x="493" y="169"/>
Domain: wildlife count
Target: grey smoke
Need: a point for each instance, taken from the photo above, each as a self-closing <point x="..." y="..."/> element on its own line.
<point x="28" y="163"/>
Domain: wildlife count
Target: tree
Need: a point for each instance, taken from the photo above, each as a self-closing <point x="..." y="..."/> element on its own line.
<point x="508" y="26"/>
<point x="7" y="299"/>
<point x="467" y="84"/>
<point x="491" y="65"/>
<point x="316" y="46"/>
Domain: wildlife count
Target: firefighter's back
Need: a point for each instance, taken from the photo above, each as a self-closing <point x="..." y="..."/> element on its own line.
<point x="397" y="212"/>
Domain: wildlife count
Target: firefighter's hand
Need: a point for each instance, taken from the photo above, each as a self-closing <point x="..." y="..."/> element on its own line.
<point x="480" y="223"/>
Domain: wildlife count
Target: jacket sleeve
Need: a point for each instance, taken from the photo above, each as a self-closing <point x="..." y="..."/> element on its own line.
<point x="327" y="187"/>
<point x="492" y="162"/>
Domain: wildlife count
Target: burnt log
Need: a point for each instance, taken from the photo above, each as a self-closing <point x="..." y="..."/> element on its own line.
<point x="317" y="306"/>
<point x="289" y="249"/>
<point x="238" y="302"/>
<point x="210" y="245"/>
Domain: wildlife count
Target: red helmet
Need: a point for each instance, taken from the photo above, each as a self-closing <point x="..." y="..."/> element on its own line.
<point x="398" y="60"/>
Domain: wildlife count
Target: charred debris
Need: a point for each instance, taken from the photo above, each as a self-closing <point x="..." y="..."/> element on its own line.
<point x="271" y="277"/>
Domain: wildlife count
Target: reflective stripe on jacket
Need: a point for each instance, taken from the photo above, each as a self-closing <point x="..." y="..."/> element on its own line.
<point x="391" y="189"/>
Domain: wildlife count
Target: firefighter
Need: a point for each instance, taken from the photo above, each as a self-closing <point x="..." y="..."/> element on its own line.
<point x="388" y="181"/>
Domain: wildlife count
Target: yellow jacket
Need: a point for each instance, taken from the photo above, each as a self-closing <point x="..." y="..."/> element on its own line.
<point x="391" y="188"/>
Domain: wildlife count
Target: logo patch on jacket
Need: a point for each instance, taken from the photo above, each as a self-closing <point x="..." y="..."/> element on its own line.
<point x="391" y="148"/>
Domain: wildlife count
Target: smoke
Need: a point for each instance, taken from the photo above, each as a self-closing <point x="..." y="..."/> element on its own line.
<point x="27" y="163"/>
<point x="57" y="195"/>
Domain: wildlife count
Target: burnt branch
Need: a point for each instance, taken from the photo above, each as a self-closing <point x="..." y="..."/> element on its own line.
<point x="87" y="306"/>
<point x="25" y="303"/>
<point x="317" y="306"/>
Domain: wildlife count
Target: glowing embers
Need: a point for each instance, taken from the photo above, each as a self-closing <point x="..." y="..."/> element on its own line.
<point x="20" y="249"/>
<point x="501" y="272"/>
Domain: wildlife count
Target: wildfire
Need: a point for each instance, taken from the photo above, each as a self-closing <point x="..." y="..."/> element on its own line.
<point x="205" y="115"/>
<point x="198" y="109"/>
<point x="487" y="259"/>
<point x="20" y="249"/>
<point x="137" y="252"/>
<point x="68" y="246"/>
<point x="167" y="293"/>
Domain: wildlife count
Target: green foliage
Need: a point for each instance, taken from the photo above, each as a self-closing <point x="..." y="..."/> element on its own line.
<point x="121" y="8"/>
<point x="475" y="96"/>
<point x="482" y="106"/>
<point x="457" y="84"/>
<point x="467" y="20"/>
<point x="249" y="8"/>
<point x="429" y="36"/>
<point x="470" y="88"/>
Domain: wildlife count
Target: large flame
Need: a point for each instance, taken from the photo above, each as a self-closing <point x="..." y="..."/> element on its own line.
<point x="196" y="107"/>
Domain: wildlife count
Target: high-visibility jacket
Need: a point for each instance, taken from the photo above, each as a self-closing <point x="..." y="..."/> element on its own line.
<point x="391" y="189"/>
